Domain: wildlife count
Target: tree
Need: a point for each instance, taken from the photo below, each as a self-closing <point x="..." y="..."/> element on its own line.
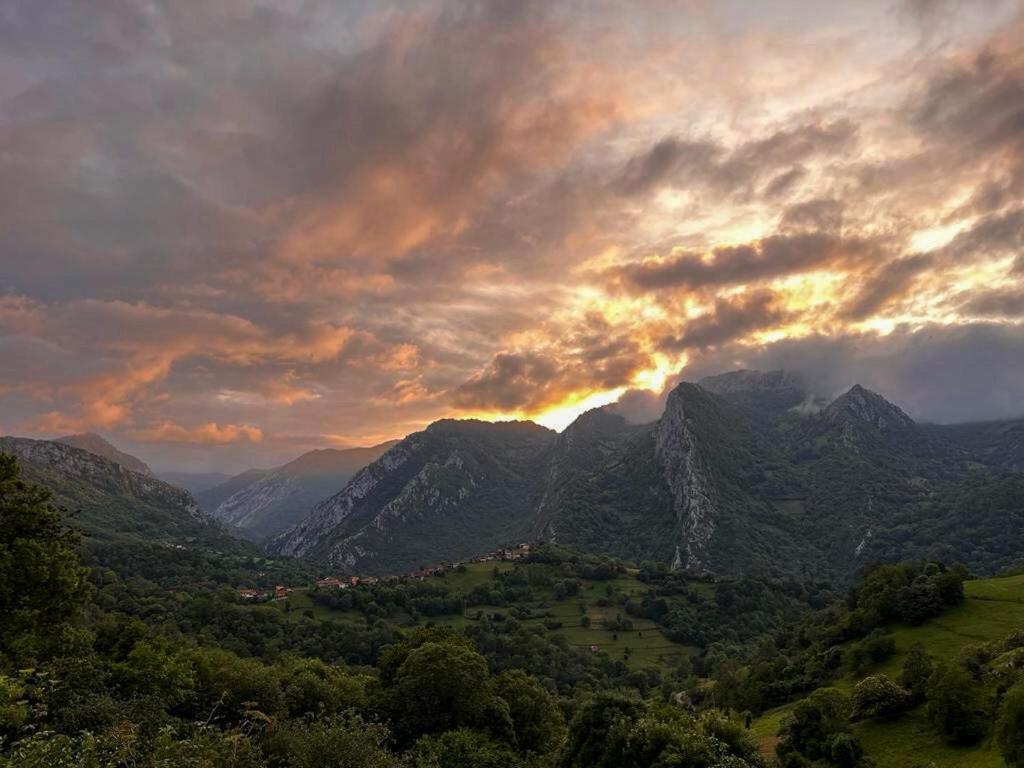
<point x="439" y="687"/>
<point x="917" y="668"/>
<point x="537" y="721"/>
<point x="1010" y="727"/>
<point x="592" y="725"/>
<point x="41" y="583"/>
<point x="461" y="748"/>
<point x="818" y="729"/>
<point x="342" y="742"/>
<point x="954" y="704"/>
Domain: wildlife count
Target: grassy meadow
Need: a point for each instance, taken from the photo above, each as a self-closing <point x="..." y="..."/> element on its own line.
<point x="993" y="608"/>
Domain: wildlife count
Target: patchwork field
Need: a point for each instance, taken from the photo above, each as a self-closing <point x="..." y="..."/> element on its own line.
<point x="644" y="646"/>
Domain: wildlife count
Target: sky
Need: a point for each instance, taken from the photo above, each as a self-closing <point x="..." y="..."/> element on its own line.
<point x="235" y="230"/>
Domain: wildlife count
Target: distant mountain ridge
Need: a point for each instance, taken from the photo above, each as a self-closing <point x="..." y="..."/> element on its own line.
<point x="96" y="444"/>
<point x="744" y="472"/>
<point x="262" y="503"/>
<point x="453" y="489"/>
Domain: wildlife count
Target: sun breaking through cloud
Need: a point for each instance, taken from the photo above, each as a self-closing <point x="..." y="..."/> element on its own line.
<point x="236" y="229"/>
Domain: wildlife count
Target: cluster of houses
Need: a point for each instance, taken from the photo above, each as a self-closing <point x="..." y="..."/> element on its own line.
<point x="352" y="581"/>
<point x="507" y="554"/>
<point x="280" y="592"/>
<point x="513" y="553"/>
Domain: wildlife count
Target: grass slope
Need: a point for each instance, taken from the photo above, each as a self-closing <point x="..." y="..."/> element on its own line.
<point x="993" y="609"/>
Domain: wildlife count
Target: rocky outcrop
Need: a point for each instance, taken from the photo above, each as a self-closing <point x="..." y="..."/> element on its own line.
<point x="94" y="443"/>
<point x="687" y="475"/>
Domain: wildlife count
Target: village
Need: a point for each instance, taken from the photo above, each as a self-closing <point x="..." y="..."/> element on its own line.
<point x="281" y="591"/>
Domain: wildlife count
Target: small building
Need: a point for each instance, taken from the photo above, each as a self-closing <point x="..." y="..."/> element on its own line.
<point x="250" y="594"/>
<point x="369" y="580"/>
<point x="330" y="583"/>
<point x="280" y="592"/>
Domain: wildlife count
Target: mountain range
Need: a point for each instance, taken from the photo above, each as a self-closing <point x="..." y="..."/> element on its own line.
<point x="747" y="472"/>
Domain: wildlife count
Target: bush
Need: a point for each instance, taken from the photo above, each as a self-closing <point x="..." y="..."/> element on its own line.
<point x="818" y="729"/>
<point x="878" y="697"/>
<point x="872" y="650"/>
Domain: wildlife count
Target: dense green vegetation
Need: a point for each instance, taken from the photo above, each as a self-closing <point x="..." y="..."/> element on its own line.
<point x="133" y="658"/>
<point x="105" y="669"/>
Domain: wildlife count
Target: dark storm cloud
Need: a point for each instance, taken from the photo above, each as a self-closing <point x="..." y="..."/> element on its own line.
<point x="772" y="257"/>
<point x="730" y="319"/>
<point x="892" y="281"/>
<point x="1007" y="302"/>
<point x="682" y="162"/>
<point x="992" y="235"/>
<point x="508" y="382"/>
<point x="937" y="373"/>
<point x="820" y="214"/>
<point x="784" y="182"/>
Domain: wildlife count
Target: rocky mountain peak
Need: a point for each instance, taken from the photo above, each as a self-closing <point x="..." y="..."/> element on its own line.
<point x="868" y="407"/>
<point x="747" y="380"/>
<point x="98" y="445"/>
<point x="595" y="423"/>
<point x="765" y="391"/>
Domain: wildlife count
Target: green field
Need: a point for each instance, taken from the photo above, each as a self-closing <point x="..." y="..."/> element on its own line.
<point x="645" y="646"/>
<point x="993" y="609"/>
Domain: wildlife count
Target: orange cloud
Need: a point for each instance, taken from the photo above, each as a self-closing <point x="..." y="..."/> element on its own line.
<point x="210" y="433"/>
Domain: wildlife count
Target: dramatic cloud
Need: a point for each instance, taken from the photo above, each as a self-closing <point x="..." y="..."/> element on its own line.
<point x="729" y="320"/>
<point x="233" y="230"/>
<point x="774" y="256"/>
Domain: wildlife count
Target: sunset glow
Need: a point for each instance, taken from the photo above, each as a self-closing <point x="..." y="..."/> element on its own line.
<point x="234" y="231"/>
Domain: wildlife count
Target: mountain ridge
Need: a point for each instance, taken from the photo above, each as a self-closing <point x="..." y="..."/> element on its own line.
<point x="738" y="475"/>
<point x="259" y="504"/>
<point x="97" y="444"/>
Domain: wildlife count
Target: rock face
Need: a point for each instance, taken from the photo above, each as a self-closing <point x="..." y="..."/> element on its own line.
<point x="743" y="473"/>
<point x="455" y="489"/>
<point x="100" y="472"/>
<point x="688" y="477"/>
<point x="95" y="444"/>
<point x="277" y="499"/>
